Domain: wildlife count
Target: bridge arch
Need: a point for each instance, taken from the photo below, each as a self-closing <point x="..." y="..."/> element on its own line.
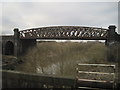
<point x="9" y="48"/>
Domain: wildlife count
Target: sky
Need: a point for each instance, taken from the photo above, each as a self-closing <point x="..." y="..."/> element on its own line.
<point x="24" y="15"/>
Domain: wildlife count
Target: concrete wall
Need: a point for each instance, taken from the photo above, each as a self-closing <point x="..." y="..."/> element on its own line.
<point x="13" y="79"/>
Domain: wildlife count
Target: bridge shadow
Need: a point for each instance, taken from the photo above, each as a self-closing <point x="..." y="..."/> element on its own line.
<point x="9" y="48"/>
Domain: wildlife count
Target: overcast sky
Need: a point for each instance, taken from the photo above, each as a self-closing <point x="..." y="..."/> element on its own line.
<point x="25" y="15"/>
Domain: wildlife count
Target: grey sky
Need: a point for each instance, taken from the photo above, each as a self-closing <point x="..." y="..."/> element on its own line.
<point x="36" y="14"/>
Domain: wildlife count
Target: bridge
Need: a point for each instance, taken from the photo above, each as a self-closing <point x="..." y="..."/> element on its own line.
<point x="65" y="32"/>
<point x="18" y="43"/>
<point x="22" y="40"/>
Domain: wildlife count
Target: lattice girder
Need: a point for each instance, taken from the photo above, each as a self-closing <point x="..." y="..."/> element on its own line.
<point x="65" y="32"/>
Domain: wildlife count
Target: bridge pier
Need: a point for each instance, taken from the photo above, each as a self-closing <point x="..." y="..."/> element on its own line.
<point x="118" y="59"/>
<point x="113" y="53"/>
<point x="111" y="43"/>
<point x="21" y="46"/>
<point x="16" y="42"/>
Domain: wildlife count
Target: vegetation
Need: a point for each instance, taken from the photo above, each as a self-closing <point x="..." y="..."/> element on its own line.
<point x="60" y="59"/>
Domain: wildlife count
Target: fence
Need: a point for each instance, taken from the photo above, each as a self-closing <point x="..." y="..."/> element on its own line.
<point x="93" y="72"/>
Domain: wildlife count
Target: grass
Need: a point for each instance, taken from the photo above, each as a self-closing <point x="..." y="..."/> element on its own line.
<point x="60" y="59"/>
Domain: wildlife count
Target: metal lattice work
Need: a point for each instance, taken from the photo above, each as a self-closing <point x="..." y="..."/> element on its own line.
<point x="65" y="32"/>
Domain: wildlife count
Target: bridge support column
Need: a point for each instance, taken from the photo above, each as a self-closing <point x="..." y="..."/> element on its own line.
<point x="113" y="53"/>
<point x="118" y="59"/>
<point x="110" y="42"/>
<point x="16" y="42"/>
<point x="118" y="67"/>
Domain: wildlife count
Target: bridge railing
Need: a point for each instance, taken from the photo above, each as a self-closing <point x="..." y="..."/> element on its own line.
<point x="95" y="76"/>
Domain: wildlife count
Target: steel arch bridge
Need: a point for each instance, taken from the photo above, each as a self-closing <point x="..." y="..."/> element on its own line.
<point x="65" y="32"/>
<point x="24" y="39"/>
